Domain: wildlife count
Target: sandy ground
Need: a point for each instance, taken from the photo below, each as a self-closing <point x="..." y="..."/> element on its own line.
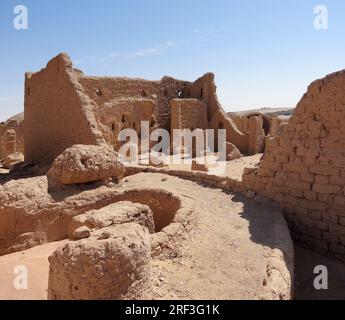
<point x="233" y="169"/>
<point x="36" y="262"/>
<point x="224" y="257"/>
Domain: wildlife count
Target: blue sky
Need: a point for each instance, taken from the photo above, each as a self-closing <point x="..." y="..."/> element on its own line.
<point x="264" y="53"/>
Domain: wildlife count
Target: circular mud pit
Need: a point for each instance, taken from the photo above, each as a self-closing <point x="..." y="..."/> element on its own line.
<point x="163" y="204"/>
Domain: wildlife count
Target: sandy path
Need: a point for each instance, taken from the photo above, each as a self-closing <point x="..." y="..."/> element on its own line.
<point x="226" y="256"/>
<point x="36" y="262"/>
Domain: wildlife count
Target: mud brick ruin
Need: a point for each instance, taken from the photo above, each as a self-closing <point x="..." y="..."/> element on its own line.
<point x="127" y="225"/>
<point x="303" y="167"/>
<point x="12" y="140"/>
<point x="93" y="110"/>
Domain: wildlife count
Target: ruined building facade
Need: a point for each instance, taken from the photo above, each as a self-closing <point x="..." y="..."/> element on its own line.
<point x="71" y="108"/>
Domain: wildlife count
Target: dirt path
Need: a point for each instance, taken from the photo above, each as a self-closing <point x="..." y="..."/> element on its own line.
<point x="227" y="255"/>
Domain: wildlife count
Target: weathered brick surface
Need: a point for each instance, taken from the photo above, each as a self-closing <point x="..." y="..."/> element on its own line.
<point x="12" y="136"/>
<point x="304" y="167"/>
<point x="256" y="135"/>
<point x="73" y="108"/>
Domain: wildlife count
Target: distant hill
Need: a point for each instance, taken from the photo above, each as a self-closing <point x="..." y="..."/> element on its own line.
<point x="273" y="112"/>
<point x="17" y="118"/>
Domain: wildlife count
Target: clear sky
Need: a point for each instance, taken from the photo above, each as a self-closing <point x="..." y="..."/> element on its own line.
<point x="264" y="53"/>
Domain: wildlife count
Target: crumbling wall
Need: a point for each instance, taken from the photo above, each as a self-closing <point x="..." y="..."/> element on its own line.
<point x="12" y="136"/>
<point x="303" y="167"/>
<point x="258" y="129"/>
<point x="58" y="113"/>
<point x="8" y="142"/>
<point x="221" y="121"/>
<point x="205" y="90"/>
<point x="63" y="107"/>
<point x="275" y="124"/>
<point x="103" y="90"/>
<point x="188" y="114"/>
<point x="125" y="113"/>
<point x="256" y="135"/>
<point x="241" y="123"/>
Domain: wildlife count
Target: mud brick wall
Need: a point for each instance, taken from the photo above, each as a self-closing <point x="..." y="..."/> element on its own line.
<point x="102" y="90"/>
<point x="12" y="132"/>
<point x="256" y="135"/>
<point x="57" y="112"/>
<point x="303" y="168"/>
<point x="188" y="114"/>
<point x="205" y="90"/>
<point x="125" y="113"/>
<point x="64" y="107"/>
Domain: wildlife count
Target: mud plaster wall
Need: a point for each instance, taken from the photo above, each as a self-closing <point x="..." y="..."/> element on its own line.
<point x="58" y="114"/>
<point x="104" y="90"/>
<point x="269" y="127"/>
<point x="303" y="168"/>
<point x="205" y="90"/>
<point x="256" y="135"/>
<point x="64" y="107"/>
<point x="17" y="125"/>
<point x="188" y="114"/>
<point x="127" y="113"/>
<point x="242" y="122"/>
